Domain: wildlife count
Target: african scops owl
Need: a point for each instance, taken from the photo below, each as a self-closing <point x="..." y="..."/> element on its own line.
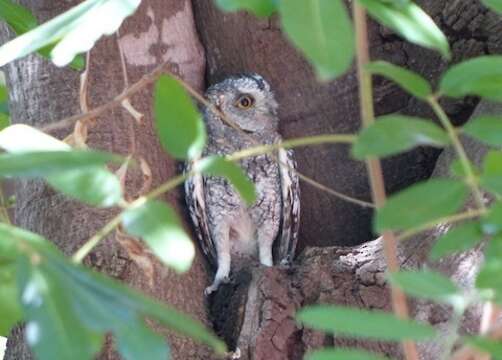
<point x="227" y="229"/>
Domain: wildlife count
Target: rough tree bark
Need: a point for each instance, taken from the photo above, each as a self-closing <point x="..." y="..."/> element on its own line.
<point x="164" y="30"/>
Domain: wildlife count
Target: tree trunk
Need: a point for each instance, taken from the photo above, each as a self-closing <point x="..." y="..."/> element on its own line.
<point x="164" y="30"/>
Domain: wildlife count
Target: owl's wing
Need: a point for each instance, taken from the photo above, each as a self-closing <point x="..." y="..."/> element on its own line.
<point x="196" y="203"/>
<point x="290" y="206"/>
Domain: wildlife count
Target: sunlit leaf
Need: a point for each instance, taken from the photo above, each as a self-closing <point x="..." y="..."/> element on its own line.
<point x="491" y="177"/>
<point x="420" y="204"/>
<point x="408" y="80"/>
<point x="322" y="30"/>
<point x="22" y="20"/>
<point x="487" y="129"/>
<point x="481" y="76"/>
<point x="75" y="31"/>
<point x="161" y="229"/>
<point x="461" y="238"/>
<point x="178" y="124"/>
<point x="9" y="302"/>
<point x="426" y="284"/>
<point x="410" y="21"/>
<point x="494" y="5"/>
<point x="24" y="138"/>
<point x="342" y="354"/>
<point x="218" y="166"/>
<point x="258" y="7"/>
<point x="95" y="186"/>
<point x="392" y="134"/>
<point x="362" y="323"/>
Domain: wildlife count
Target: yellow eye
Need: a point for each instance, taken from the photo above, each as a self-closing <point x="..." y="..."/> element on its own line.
<point x="245" y="101"/>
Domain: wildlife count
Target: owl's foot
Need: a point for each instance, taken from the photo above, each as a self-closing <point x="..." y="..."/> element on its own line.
<point x="215" y="285"/>
<point x="235" y="354"/>
<point x="286" y="262"/>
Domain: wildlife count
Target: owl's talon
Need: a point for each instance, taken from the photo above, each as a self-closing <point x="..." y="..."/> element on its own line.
<point x="209" y="290"/>
<point x="235" y="354"/>
<point x="286" y="262"/>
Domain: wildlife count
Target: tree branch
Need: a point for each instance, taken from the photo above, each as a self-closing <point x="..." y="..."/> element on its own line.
<point x="399" y="302"/>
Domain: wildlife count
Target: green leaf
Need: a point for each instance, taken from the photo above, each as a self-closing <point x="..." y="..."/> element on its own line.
<point x="457" y="169"/>
<point x="56" y="293"/>
<point x="178" y="124"/>
<point x="495" y="5"/>
<point x="491" y="223"/>
<point x="481" y="76"/>
<point x="420" y="204"/>
<point x="489" y="279"/>
<point x="18" y="17"/>
<point x="258" y="7"/>
<point x="491" y="177"/>
<point x="139" y="342"/>
<point x="11" y="237"/>
<point x="320" y="29"/>
<point x="408" y="80"/>
<point x="46" y="163"/>
<point x="426" y="284"/>
<point x="4" y="121"/>
<point x="343" y="354"/>
<point x="219" y="166"/>
<point x="9" y="303"/>
<point x="376" y="325"/>
<point x="460" y="238"/>
<point x="95" y="186"/>
<point x="487" y="129"/>
<point x="488" y="346"/>
<point x="392" y="134"/>
<point x="107" y="305"/>
<point x="22" y="20"/>
<point x="410" y="21"/>
<point x="160" y="228"/>
<point x="489" y="275"/>
<point x="75" y="31"/>
<point x="52" y="330"/>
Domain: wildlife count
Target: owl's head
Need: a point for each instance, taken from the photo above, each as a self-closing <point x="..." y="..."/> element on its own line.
<point x="247" y="101"/>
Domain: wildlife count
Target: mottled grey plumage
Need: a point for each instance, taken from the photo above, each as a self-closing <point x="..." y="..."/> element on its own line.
<point x="227" y="229"/>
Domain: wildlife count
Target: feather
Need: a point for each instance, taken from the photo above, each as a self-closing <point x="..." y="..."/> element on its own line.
<point x="290" y="188"/>
<point x="196" y="203"/>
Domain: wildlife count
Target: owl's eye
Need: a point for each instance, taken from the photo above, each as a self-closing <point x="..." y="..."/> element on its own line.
<point x="245" y="101"/>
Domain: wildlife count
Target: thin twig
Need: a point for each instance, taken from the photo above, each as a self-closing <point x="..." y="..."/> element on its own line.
<point x="459" y="149"/>
<point x="399" y="302"/>
<point x="146" y="80"/>
<point x="310" y="140"/>
<point x="469" y="214"/>
<point x="90" y="244"/>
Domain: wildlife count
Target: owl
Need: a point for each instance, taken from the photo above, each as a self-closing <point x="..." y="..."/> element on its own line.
<point x="230" y="233"/>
